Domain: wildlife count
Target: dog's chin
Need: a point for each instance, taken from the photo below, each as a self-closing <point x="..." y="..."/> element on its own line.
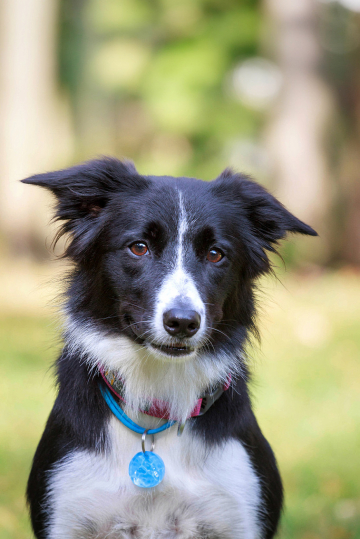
<point x="171" y="353"/>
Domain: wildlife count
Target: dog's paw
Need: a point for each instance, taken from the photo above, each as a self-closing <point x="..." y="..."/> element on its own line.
<point x="182" y="524"/>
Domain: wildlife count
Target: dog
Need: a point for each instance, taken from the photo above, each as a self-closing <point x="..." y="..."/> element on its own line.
<point x="159" y="308"/>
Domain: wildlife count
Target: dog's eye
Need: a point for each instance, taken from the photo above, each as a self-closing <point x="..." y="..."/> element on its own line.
<point x="214" y="255"/>
<point x="139" y="248"/>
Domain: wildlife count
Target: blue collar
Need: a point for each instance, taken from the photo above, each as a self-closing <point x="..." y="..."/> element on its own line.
<point x="125" y="420"/>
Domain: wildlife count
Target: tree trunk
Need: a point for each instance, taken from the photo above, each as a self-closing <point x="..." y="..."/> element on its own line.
<point x="295" y="134"/>
<point x="31" y="133"/>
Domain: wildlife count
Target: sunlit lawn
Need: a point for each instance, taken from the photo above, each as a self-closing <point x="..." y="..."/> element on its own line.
<point x="306" y="394"/>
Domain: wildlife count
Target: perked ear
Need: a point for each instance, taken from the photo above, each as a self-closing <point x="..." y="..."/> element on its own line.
<point x="269" y="220"/>
<point x="82" y="193"/>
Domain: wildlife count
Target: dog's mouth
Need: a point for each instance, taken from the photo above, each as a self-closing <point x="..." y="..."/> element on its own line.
<point x="175" y="350"/>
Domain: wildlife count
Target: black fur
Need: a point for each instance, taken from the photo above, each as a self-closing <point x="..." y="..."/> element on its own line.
<point x="103" y="206"/>
<point x="66" y="431"/>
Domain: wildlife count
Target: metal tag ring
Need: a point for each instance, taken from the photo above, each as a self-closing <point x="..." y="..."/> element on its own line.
<point x="143" y="438"/>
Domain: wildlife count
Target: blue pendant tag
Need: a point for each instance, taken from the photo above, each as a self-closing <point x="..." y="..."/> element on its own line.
<point x="146" y="469"/>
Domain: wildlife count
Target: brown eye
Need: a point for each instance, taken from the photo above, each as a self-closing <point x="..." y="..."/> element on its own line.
<point x="214" y="256"/>
<point x="138" y="248"/>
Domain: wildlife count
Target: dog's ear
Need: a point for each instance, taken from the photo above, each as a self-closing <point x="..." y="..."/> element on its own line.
<point x="82" y="193"/>
<point x="269" y="220"/>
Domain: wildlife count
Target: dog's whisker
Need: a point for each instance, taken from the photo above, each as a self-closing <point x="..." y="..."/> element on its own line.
<point x="222" y="333"/>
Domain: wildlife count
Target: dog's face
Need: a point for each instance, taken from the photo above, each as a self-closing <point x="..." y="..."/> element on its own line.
<point x="168" y="262"/>
<point x="173" y="258"/>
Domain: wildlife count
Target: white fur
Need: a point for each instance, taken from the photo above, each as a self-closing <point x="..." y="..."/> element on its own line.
<point x="179" y="287"/>
<point x="148" y="376"/>
<point x="93" y="497"/>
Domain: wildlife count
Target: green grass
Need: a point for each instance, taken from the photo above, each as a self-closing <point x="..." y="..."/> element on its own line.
<point x="307" y="400"/>
<point x="27" y="394"/>
<point x="306" y="396"/>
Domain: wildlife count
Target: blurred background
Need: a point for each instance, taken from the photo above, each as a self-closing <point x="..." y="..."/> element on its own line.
<point x="188" y="87"/>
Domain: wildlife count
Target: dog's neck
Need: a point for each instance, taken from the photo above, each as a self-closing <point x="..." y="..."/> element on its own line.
<point x="158" y="408"/>
<point x="179" y="384"/>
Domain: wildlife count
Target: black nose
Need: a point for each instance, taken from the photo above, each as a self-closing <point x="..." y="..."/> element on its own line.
<point x="181" y="322"/>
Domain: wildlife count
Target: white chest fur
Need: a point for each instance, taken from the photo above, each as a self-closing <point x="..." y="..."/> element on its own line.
<point x="205" y="494"/>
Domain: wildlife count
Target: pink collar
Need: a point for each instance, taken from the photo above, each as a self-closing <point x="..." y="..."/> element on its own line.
<point x="159" y="408"/>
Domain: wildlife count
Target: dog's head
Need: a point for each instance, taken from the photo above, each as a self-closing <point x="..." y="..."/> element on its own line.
<point x="165" y="266"/>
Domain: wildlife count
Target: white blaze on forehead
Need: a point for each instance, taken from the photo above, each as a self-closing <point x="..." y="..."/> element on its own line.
<point x="178" y="287"/>
<point x="183" y="226"/>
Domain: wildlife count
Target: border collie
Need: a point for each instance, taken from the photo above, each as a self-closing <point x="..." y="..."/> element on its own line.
<point x="159" y="307"/>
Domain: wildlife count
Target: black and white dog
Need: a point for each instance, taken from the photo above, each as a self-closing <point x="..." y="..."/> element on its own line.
<point x="161" y="301"/>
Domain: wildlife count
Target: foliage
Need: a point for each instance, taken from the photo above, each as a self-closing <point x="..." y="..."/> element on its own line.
<point x="152" y="80"/>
